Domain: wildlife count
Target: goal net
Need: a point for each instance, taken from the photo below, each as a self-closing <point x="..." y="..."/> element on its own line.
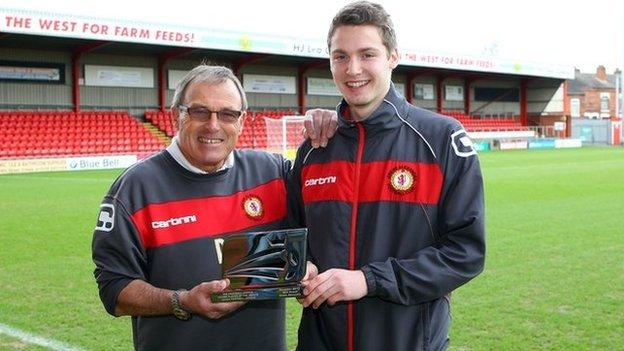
<point x="284" y="134"/>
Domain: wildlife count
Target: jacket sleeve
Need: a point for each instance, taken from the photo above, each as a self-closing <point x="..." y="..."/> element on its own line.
<point x="458" y="254"/>
<point x="117" y="252"/>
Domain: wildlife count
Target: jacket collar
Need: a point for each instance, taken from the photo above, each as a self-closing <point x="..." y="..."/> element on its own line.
<point x="383" y="117"/>
<point x="174" y="150"/>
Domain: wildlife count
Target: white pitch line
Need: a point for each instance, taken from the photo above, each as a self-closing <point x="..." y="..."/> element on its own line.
<point x="35" y="339"/>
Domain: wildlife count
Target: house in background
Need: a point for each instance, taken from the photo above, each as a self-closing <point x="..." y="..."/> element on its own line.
<point x="591" y="102"/>
<point x="592" y="95"/>
<point x="583" y="107"/>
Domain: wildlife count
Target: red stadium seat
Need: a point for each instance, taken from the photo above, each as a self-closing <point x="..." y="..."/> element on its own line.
<point x="43" y="134"/>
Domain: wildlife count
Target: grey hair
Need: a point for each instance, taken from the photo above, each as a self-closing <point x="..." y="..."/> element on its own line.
<point x="208" y="74"/>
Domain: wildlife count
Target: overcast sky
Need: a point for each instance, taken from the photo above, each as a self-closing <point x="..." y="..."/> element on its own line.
<point x="581" y="34"/>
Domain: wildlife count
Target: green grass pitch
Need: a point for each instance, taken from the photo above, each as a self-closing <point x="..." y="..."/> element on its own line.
<point x="554" y="277"/>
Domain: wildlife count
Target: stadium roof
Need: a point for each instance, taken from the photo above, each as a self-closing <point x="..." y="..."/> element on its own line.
<point x="47" y="24"/>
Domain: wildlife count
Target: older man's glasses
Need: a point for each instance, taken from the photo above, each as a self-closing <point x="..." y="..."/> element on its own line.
<point x="203" y="114"/>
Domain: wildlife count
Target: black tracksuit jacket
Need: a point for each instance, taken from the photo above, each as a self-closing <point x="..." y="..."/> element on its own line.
<point x="400" y="197"/>
<point x="159" y="222"/>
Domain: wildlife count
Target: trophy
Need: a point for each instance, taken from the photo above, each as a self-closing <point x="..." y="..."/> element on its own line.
<point x="263" y="265"/>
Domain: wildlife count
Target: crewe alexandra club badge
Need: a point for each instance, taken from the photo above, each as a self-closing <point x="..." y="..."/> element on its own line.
<point x="402" y="180"/>
<point x="253" y="207"/>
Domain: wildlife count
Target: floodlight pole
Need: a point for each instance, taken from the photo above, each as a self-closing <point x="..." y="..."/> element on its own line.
<point x="617" y="96"/>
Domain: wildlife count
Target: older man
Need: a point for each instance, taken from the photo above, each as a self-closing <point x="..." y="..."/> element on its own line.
<point x="153" y="245"/>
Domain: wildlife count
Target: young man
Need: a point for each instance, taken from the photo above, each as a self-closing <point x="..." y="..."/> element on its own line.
<point x="393" y="205"/>
<point x="154" y="238"/>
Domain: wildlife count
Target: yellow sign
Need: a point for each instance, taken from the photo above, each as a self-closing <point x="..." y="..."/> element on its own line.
<point x="245" y="42"/>
<point x="32" y="165"/>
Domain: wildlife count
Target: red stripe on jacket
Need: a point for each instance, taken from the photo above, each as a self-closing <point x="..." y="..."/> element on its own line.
<point x="333" y="181"/>
<point x="177" y="221"/>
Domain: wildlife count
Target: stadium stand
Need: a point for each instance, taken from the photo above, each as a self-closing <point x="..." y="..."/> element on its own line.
<point x="81" y="72"/>
<point x="479" y="124"/>
<point x="31" y="134"/>
<point x="25" y="134"/>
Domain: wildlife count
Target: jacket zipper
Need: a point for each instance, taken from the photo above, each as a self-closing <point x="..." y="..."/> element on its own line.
<point x="352" y="235"/>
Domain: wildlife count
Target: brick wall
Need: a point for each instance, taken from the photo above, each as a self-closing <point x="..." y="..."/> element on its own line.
<point x="591" y="101"/>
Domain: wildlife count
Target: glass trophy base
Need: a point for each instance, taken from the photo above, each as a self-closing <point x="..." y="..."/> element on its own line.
<point x="268" y="293"/>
